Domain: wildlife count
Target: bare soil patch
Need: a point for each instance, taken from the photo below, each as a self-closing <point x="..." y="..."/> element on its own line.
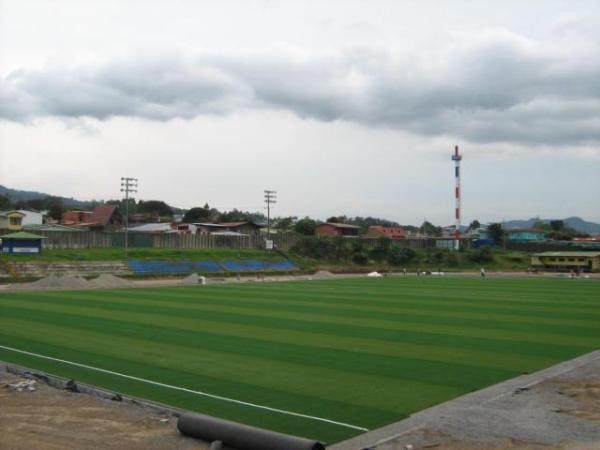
<point x="54" y="419"/>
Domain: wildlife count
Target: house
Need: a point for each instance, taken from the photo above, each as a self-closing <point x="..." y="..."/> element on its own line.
<point x="21" y="242"/>
<point x="336" y="229"/>
<point x="75" y="217"/>
<point x="587" y="239"/>
<point x="377" y="231"/>
<point x="515" y="234"/>
<point x="106" y="217"/>
<point x="32" y="217"/>
<point x="248" y="228"/>
<point x="524" y="234"/>
<point x="11" y="220"/>
<point x="583" y="261"/>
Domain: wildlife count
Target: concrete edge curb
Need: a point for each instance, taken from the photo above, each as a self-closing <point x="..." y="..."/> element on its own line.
<point x="418" y="420"/>
<point x="87" y="389"/>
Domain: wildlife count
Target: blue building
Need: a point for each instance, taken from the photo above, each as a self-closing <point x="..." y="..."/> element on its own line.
<point x="515" y="234"/>
<point x="524" y="234"/>
<point x="21" y="242"/>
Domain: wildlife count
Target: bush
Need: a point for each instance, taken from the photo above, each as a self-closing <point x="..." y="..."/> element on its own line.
<point x="482" y="255"/>
<point x="313" y="247"/>
<point x="360" y="258"/>
<point x="397" y="255"/>
<point x="381" y="250"/>
<point x="452" y="259"/>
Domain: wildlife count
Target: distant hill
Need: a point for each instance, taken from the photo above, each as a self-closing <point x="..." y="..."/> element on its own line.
<point x="577" y="223"/>
<point x="19" y="195"/>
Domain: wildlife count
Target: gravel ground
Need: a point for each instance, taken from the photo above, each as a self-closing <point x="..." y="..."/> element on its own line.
<point x="55" y="419"/>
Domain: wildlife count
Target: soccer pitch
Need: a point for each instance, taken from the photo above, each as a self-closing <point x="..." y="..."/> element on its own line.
<point x="321" y="359"/>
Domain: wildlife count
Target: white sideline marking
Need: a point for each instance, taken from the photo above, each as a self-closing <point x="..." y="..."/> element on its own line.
<point x="178" y="388"/>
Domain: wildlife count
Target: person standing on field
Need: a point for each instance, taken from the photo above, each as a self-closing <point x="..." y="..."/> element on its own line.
<point x="482" y="272"/>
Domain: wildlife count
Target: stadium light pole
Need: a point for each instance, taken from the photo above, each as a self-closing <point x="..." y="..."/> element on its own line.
<point x="128" y="186"/>
<point x="270" y="199"/>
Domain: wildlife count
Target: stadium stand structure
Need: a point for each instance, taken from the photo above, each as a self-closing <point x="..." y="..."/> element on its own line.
<point x="241" y="265"/>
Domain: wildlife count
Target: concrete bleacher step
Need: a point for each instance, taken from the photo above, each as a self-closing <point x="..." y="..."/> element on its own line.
<point x="83" y="268"/>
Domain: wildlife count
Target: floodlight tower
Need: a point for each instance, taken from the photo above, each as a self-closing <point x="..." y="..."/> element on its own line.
<point x="456" y="157"/>
<point x="128" y="186"/>
<point x="270" y="199"/>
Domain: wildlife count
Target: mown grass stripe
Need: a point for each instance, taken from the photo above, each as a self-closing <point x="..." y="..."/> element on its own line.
<point x="500" y="329"/>
<point x="353" y="356"/>
<point x="183" y="389"/>
<point x="362" y="344"/>
<point x="334" y="385"/>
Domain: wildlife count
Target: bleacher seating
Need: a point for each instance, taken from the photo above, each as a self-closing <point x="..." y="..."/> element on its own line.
<point x="235" y="266"/>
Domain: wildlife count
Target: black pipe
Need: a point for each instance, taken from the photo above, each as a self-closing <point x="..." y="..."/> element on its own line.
<point x="241" y="437"/>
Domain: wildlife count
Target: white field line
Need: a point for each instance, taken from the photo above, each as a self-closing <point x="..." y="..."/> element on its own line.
<point x="191" y="391"/>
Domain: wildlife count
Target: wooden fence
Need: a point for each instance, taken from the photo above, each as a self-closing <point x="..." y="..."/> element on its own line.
<point x="98" y="239"/>
<point x="283" y="241"/>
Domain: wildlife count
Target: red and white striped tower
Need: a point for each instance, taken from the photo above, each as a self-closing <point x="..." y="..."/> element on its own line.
<point x="456" y="158"/>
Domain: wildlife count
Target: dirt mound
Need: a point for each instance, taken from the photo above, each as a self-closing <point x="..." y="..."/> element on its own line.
<point x="109" y="281"/>
<point x="56" y="282"/>
<point x="191" y="279"/>
<point x="323" y="274"/>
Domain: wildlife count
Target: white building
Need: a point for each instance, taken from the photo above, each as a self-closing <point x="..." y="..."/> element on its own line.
<point x="33" y="217"/>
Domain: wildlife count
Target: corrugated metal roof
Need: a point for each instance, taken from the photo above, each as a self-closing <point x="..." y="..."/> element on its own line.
<point x="151" y="227"/>
<point x="340" y="225"/>
<point x="22" y="235"/>
<point x="575" y="254"/>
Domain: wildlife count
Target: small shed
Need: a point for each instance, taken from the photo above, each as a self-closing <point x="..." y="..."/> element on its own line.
<point x="22" y="242"/>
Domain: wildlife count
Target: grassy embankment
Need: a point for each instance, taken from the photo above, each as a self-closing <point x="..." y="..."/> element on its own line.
<point x="502" y="260"/>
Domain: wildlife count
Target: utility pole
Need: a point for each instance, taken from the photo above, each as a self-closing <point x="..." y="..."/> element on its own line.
<point x="456" y="157"/>
<point x="270" y="199"/>
<point x="128" y="185"/>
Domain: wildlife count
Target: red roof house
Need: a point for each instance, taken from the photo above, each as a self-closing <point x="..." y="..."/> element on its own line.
<point x="106" y="217"/>
<point x="336" y="229"/>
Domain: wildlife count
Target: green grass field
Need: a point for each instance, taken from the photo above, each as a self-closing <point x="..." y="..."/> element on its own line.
<point x="362" y="352"/>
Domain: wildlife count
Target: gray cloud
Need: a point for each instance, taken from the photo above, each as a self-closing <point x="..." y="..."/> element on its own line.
<point x="490" y="87"/>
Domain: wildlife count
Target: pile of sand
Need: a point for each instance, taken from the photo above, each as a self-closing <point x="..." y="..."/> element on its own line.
<point x="57" y="282"/>
<point x="323" y="274"/>
<point x="191" y="279"/>
<point x="194" y="279"/>
<point x="109" y="281"/>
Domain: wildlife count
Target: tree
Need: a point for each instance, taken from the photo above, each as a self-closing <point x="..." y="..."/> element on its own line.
<point x="306" y="226"/>
<point x="284" y="223"/>
<point x="154" y="207"/>
<point x="429" y="229"/>
<point x="197" y="214"/>
<point x="5" y="202"/>
<point x="557" y="225"/>
<point x="474" y="225"/>
<point x="337" y="219"/>
<point x="496" y="232"/>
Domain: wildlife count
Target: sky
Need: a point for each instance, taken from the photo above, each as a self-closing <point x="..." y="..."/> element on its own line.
<point x="343" y="107"/>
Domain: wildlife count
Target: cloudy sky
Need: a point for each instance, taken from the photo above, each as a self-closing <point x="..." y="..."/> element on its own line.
<point x="343" y="107"/>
